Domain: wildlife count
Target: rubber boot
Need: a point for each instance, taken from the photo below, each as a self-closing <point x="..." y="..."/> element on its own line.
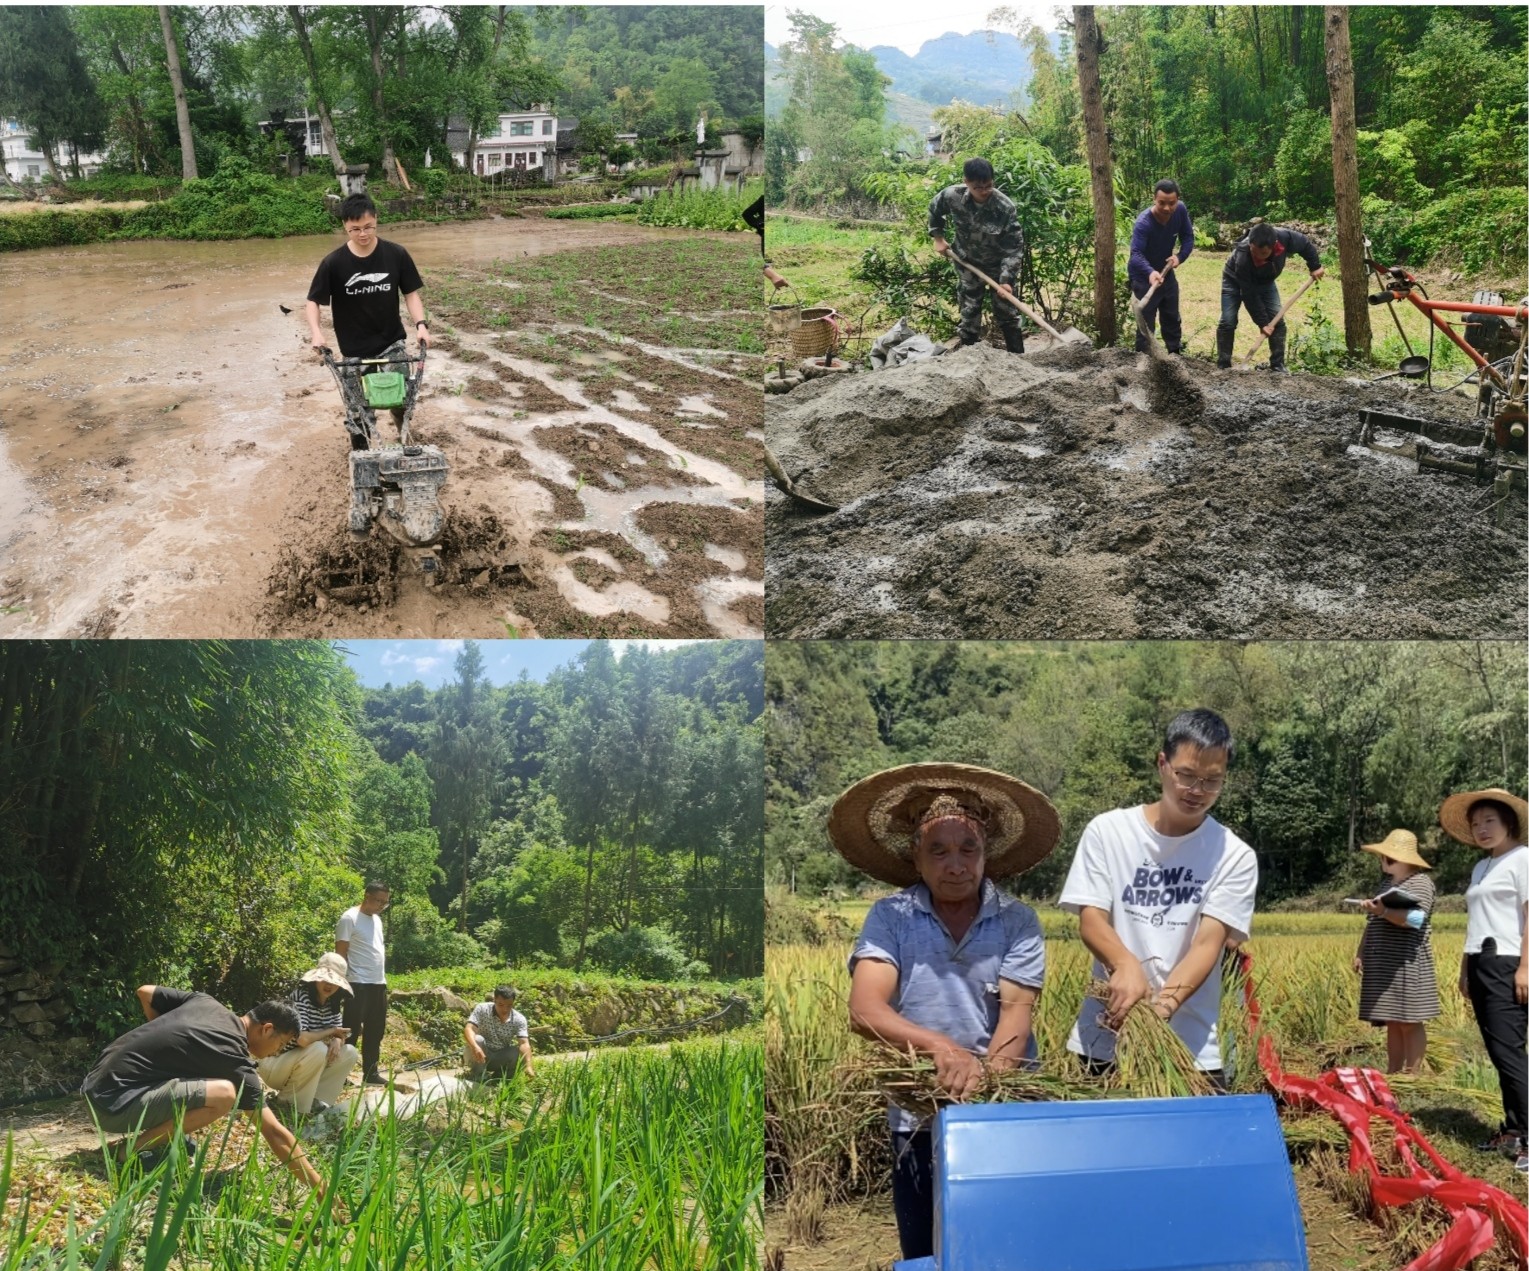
<point x="1224" y="346"/>
<point x="1013" y="339"/>
<point x="1277" y="351"/>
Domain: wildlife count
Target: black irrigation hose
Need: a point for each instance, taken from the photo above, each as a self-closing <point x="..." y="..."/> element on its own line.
<point x="452" y="1055"/>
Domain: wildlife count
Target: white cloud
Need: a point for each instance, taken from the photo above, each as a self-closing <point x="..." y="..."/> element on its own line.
<point x="395" y="657"/>
<point x="423" y="666"/>
<point x="449" y="646"/>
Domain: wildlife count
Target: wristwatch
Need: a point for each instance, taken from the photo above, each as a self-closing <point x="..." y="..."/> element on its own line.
<point x="422" y="323"/>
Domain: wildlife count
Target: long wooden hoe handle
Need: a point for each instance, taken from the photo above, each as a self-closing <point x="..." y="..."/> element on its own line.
<point x="1278" y="318"/>
<point x="1016" y="302"/>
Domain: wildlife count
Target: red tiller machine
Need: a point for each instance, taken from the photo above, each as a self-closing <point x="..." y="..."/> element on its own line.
<point x="1496" y="340"/>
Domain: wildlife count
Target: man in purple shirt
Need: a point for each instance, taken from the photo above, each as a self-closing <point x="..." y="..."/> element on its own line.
<point x="1153" y="260"/>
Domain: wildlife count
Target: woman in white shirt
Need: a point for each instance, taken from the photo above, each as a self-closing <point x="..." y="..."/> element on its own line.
<point x="1494" y="969"/>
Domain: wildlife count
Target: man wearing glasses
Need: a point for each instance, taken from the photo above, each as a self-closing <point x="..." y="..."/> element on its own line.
<point x="1158" y="889"/>
<point x="361" y="281"/>
<point x="358" y="939"/>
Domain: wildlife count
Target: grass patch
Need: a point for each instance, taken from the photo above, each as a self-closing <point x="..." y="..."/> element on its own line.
<point x="681" y="292"/>
<point x="592" y="212"/>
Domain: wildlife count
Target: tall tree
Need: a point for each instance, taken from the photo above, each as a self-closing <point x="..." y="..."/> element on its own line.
<point x="44" y="83"/>
<point x="178" y="87"/>
<point x="1340" y="86"/>
<point x="1101" y="172"/>
<point x="316" y="87"/>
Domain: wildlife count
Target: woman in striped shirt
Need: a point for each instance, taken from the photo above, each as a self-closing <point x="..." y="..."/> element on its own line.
<point x="309" y="1075"/>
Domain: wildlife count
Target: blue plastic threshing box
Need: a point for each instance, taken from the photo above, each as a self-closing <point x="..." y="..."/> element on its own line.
<point x="1114" y="1185"/>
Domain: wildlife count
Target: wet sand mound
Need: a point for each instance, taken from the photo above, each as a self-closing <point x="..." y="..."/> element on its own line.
<point x="1102" y="495"/>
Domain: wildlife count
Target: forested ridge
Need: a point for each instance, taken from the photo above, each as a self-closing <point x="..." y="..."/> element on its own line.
<point x="1336" y="743"/>
<point x="200" y="813"/>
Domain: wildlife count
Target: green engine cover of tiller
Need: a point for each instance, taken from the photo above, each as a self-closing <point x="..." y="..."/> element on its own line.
<point x="385" y="389"/>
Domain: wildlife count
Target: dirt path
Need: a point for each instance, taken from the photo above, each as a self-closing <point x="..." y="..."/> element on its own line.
<point x="1082" y="495"/>
<point x="172" y="461"/>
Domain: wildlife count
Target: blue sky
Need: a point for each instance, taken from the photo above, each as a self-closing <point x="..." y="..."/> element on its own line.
<point x="903" y="23"/>
<point x="379" y="662"/>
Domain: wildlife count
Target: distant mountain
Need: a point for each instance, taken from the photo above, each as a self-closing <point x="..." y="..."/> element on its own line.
<point x="988" y="68"/>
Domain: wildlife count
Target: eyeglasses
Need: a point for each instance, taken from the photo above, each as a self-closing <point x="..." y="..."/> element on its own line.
<point x="1189" y="783"/>
<point x="361" y="229"/>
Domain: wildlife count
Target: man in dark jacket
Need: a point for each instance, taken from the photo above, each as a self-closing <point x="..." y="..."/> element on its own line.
<point x="1248" y="278"/>
<point x="1161" y="240"/>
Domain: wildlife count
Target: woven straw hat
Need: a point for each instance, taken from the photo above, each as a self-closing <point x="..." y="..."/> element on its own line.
<point x="872" y="823"/>
<point x="1399" y="845"/>
<point x="1454" y="814"/>
<point x="331" y="970"/>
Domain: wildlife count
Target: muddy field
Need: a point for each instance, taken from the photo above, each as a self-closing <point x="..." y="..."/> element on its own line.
<point x="1093" y="495"/>
<point x="173" y="464"/>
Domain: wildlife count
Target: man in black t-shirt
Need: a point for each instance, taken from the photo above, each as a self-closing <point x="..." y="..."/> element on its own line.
<point x="196" y="1058"/>
<point x="361" y="282"/>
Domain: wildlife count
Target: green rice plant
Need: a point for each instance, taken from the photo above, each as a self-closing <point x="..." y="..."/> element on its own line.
<point x="637" y="1160"/>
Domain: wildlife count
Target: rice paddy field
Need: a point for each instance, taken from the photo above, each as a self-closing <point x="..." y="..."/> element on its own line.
<point x="827" y="1155"/>
<point x="643" y="1160"/>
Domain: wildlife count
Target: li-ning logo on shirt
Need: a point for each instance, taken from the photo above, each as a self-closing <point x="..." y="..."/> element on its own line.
<point x="371" y="278"/>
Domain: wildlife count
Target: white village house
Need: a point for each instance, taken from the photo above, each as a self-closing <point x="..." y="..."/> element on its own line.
<point x="521" y="139"/>
<point x="25" y="161"/>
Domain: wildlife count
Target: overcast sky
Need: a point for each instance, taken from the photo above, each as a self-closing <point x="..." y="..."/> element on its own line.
<point x="379" y="662"/>
<point x="905" y="23"/>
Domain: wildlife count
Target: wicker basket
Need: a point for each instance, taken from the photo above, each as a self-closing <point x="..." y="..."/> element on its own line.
<point x="817" y="334"/>
<point x="785" y="318"/>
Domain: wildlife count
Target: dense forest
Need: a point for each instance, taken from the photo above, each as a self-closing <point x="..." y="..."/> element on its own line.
<point x="392" y="78"/>
<point x="1336" y="743"/>
<point x="200" y="813"/>
<point x="1232" y="102"/>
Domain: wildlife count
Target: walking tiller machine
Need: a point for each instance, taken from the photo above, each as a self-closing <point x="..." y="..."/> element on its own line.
<point x="396" y="486"/>
<point x="1496" y="340"/>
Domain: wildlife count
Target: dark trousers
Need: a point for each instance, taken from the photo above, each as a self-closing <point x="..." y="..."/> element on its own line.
<point x="366" y="1015"/>
<point x="970" y="292"/>
<point x="1502" y="1022"/>
<point x="1164" y="304"/>
<point x="913" y="1192"/>
<point x="1263" y="302"/>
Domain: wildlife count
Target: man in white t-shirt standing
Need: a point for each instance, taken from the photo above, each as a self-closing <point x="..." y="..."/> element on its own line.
<point x="1158" y="889"/>
<point x="358" y="939"/>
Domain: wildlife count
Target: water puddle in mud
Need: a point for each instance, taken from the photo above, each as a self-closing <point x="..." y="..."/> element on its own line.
<point x="161" y="409"/>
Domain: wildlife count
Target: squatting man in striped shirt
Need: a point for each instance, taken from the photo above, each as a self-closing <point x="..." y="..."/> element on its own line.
<point x="498" y="1037"/>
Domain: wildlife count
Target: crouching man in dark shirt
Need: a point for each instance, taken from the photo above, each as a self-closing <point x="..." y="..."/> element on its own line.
<point x="361" y="282"/>
<point x="1248" y="278"/>
<point x="195" y="1058"/>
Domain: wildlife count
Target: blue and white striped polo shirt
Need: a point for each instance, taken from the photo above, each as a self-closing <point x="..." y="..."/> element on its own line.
<point x="948" y="985"/>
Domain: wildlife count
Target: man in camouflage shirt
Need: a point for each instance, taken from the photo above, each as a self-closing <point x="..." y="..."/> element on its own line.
<point x="988" y="236"/>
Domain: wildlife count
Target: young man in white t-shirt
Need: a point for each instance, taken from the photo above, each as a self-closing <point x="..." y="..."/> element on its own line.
<point x="358" y="939"/>
<point x="1158" y="889"/>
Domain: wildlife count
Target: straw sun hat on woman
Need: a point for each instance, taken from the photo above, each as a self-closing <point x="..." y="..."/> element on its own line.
<point x="874" y="824"/>
<point x="1455" y="813"/>
<point x="1399" y="845"/>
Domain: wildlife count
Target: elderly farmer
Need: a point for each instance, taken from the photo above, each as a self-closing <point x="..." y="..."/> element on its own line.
<point x="358" y="939"/>
<point x="310" y="1073"/>
<point x="1398" y="986"/>
<point x="497" y="1036"/>
<point x="1494" y="969"/>
<point x="1161" y="241"/>
<point x="986" y="227"/>
<point x="194" y="1060"/>
<point x="1158" y="889"/>
<point x="949" y="966"/>
<point x="1248" y="278"/>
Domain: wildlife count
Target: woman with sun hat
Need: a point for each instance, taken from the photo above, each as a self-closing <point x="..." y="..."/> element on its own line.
<point x="1494" y="969"/>
<point x="949" y="966"/>
<point x="1398" y="986"/>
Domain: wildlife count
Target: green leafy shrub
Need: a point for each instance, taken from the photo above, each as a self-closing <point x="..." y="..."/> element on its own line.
<point x="650" y="953"/>
<point x="418" y="937"/>
<point x="700" y="209"/>
<point x="592" y="211"/>
<point x="57" y="229"/>
<point x="434" y="181"/>
<point x="121" y="187"/>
